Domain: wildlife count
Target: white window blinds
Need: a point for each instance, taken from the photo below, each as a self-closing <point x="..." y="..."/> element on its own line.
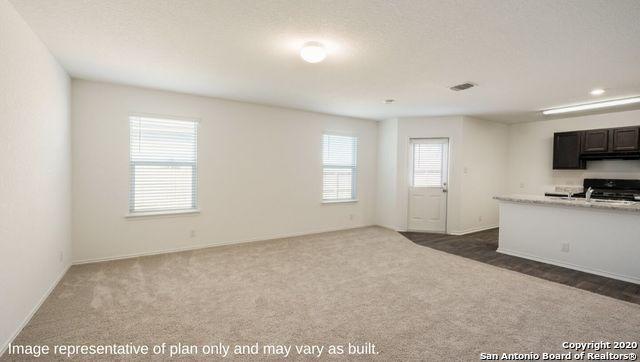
<point x="163" y="164"/>
<point x="429" y="163"/>
<point x="339" y="167"/>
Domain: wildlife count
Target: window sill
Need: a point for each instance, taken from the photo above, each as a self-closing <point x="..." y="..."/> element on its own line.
<point x="133" y="215"/>
<point x="339" y="201"/>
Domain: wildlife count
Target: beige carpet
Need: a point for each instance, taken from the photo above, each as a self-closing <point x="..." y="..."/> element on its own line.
<point x="361" y="285"/>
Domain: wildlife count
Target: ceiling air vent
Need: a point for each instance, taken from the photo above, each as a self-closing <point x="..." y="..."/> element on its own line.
<point x="462" y="86"/>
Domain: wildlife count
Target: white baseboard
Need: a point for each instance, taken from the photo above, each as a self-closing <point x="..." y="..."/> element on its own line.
<point x="471" y="231"/>
<point x="389" y="227"/>
<point x="456" y="233"/>
<point x="422" y="231"/>
<point x="3" y="347"/>
<point x="626" y="278"/>
<point x="221" y="243"/>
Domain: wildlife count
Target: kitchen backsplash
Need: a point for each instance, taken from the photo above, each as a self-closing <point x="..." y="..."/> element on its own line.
<point x="568" y="188"/>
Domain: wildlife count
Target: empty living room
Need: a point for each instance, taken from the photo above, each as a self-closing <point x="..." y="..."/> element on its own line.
<point x="381" y="180"/>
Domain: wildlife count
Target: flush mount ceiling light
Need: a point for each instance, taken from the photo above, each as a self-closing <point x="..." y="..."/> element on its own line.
<point x="313" y="52"/>
<point x="597" y="92"/>
<point x="589" y="106"/>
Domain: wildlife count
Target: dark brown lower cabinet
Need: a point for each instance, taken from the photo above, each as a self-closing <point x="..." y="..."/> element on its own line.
<point x="567" y="147"/>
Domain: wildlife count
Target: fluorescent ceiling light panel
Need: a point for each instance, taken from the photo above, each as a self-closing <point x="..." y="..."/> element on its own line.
<point x="589" y="106"/>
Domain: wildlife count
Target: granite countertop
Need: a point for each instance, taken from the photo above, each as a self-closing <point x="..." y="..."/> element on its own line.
<point x="552" y="200"/>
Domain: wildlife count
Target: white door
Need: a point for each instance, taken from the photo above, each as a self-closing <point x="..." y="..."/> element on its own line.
<point x="428" y="186"/>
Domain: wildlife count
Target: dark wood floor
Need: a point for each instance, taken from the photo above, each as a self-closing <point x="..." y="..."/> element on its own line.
<point x="481" y="246"/>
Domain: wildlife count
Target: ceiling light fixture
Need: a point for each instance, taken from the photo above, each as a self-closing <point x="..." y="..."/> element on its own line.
<point x="388" y="101"/>
<point x="313" y="52"/>
<point x="589" y="106"/>
<point x="597" y="92"/>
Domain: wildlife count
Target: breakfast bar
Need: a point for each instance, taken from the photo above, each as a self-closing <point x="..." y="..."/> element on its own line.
<point x="596" y="236"/>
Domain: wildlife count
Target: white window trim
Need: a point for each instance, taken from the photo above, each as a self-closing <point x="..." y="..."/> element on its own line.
<point x="345" y="201"/>
<point x="161" y="213"/>
<point x="355" y="198"/>
<point x="164" y="213"/>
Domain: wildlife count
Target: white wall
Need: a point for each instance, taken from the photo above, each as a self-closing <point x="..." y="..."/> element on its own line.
<point x="35" y="176"/>
<point x="531" y="153"/>
<point x="484" y="173"/>
<point x="477" y="169"/>
<point x="260" y="172"/>
<point x="387" y="178"/>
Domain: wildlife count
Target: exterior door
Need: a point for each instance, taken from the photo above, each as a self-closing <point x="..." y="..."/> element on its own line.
<point x="428" y="186"/>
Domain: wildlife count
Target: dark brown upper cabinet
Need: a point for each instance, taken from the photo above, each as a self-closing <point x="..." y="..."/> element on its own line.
<point x="572" y="150"/>
<point x="625" y="139"/>
<point x="595" y="141"/>
<point x="566" y="151"/>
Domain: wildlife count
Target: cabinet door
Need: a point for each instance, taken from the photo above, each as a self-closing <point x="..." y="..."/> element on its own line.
<point x="595" y="141"/>
<point x="625" y="139"/>
<point x="566" y="151"/>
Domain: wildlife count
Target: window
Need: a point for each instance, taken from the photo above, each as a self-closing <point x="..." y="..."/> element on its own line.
<point x="162" y="165"/>
<point x="429" y="162"/>
<point x="339" y="167"/>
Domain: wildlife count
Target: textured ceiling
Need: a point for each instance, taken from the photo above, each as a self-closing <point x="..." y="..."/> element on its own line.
<point x="524" y="55"/>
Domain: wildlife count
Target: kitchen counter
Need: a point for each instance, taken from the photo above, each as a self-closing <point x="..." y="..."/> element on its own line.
<point x="595" y="237"/>
<point x="629" y="206"/>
